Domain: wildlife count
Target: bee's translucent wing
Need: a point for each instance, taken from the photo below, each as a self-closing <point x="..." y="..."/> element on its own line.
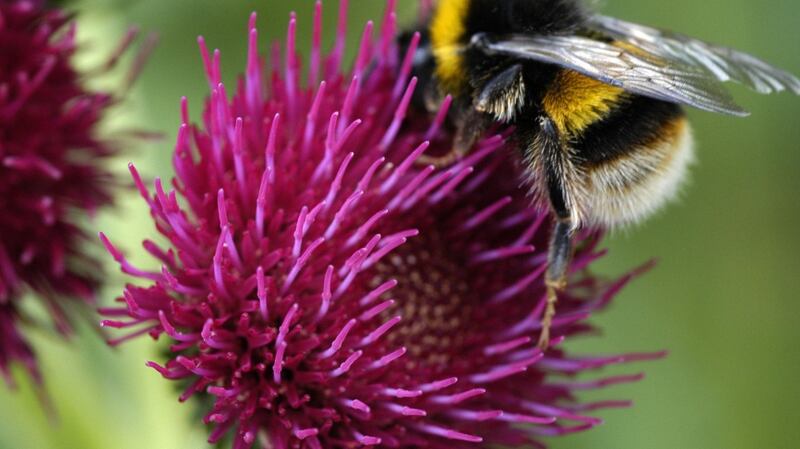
<point x="627" y="66"/>
<point x="723" y="63"/>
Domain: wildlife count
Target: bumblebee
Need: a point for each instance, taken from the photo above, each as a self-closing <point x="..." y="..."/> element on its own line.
<point x="596" y="102"/>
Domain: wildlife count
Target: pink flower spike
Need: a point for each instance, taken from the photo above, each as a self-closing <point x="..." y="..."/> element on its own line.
<point x="399" y="115"/>
<point x="364" y="51"/>
<point x="253" y="79"/>
<point x="290" y="77"/>
<point x="441" y="116"/>
<point x="347" y="364"/>
<point x="439" y="385"/>
<point x="389" y="28"/>
<point x="449" y="433"/>
<point x="458" y="397"/>
<point x="316" y="46"/>
<point x="377" y="310"/>
<point x="302" y="434"/>
<point x="377" y="292"/>
<point x="388" y="359"/>
<point x="338" y="342"/>
<point x="325" y="302"/>
<point x="526" y="419"/>
<point x="367" y="440"/>
<point x="335" y="58"/>
<point x="124" y="265"/>
<point x="263" y="303"/>
<point x="471" y="415"/>
<point x="380" y="331"/>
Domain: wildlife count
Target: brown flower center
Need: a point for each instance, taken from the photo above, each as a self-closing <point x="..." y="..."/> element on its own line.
<point x="434" y="298"/>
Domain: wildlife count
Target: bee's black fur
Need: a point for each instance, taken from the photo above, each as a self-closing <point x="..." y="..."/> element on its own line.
<point x="517" y="16"/>
<point x="634" y="124"/>
<point x="523" y="16"/>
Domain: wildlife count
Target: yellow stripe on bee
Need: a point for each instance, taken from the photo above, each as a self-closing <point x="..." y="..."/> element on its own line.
<point x="575" y="101"/>
<point x="447" y="31"/>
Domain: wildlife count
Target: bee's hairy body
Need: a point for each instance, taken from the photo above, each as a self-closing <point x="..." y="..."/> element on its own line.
<point x="596" y="103"/>
<point x="623" y="155"/>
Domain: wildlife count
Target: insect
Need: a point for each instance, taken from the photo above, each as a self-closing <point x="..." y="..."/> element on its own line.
<point x="596" y="103"/>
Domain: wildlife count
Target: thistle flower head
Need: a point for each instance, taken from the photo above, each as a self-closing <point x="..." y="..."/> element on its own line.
<point x="47" y="121"/>
<point x="328" y="292"/>
<point x="50" y="173"/>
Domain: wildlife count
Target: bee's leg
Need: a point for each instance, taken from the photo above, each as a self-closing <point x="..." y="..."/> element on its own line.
<point x="503" y="95"/>
<point x="558" y="259"/>
<point x="431" y="95"/>
<point x="560" y="250"/>
<point x="498" y="99"/>
<point x="470" y="125"/>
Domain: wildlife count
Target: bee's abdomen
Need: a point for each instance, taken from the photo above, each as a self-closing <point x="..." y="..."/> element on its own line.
<point x="633" y="123"/>
<point x="633" y="161"/>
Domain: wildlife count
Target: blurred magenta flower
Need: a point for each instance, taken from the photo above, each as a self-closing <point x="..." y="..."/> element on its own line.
<point x="328" y="292"/>
<point x="51" y="173"/>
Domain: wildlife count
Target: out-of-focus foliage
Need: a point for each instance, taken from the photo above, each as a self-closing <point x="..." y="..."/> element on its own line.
<point x="723" y="298"/>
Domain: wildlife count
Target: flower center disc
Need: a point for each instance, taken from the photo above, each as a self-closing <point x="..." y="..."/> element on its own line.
<point x="433" y="297"/>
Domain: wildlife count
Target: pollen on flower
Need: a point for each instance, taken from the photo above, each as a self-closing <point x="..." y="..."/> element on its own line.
<point x="51" y="173"/>
<point x="327" y="291"/>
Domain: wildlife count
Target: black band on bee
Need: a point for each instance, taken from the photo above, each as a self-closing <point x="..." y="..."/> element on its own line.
<point x="633" y="125"/>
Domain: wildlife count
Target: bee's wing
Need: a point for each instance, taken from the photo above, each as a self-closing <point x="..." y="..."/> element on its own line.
<point x="628" y="67"/>
<point x="722" y="63"/>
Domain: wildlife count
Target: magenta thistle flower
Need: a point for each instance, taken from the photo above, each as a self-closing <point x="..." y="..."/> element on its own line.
<point x="328" y="292"/>
<point x="51" y="176"/>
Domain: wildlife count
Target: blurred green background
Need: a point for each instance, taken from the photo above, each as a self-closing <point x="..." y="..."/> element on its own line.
<point x="723" y="299"/>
